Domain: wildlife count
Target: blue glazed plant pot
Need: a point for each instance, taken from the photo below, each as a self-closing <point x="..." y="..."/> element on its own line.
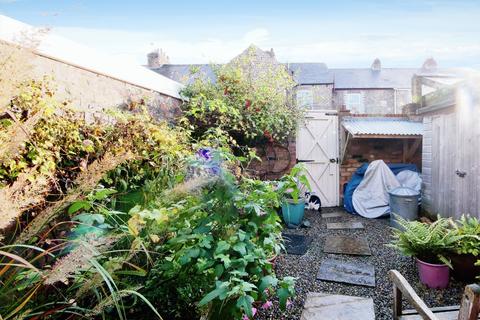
<point x="293" y="212"/>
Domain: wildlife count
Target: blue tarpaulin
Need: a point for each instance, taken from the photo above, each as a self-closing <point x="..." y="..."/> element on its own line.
<point x="358" y="176"/>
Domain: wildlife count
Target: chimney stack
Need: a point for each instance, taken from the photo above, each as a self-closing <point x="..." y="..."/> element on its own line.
<point x="376" y="65"/>
<point x="157" y="58"/>
<point x="430" y="65"/>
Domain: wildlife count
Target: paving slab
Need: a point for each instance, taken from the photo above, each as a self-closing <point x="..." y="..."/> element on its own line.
<point x="357" y="273"/>
<point x="344" y="225"/>
<point x="347" y="245"/>
<point x="323" y="306"/>
<point x="296" y="244"/>
<point x="334" y="214"/>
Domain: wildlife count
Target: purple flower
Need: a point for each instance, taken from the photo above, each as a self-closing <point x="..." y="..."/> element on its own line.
<point x="205" y="154"/>
<point x="268" y="304"/>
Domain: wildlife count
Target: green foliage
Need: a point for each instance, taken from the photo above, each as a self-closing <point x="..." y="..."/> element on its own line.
<point x="220" y="239"/>
<point x="179" y="237"/>
<point x="427" y="242"/>
<point x="468" y="228"/>
<point x="250" y="102"/>
<point x="295" y="184"/>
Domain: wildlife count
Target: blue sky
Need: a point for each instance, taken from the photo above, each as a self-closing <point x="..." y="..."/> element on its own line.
<point x="340" y="33"/>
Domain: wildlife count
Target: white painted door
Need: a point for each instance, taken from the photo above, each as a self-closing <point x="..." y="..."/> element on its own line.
<point x="317" y="148"/>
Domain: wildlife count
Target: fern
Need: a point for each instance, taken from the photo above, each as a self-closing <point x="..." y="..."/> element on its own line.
<point x="428" y="242"/>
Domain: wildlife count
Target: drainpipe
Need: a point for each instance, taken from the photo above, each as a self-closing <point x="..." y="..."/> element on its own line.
<point x="395" y="101"/>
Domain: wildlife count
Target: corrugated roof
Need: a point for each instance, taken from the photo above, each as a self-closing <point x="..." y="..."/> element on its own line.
<point x="387" y="126"/>
<point x="61" y="49"/>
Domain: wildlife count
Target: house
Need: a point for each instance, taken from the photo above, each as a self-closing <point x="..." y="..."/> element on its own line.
<point x="450" y="110"/>
<point x="90" y="80"/>
<point x="353" y="116"/>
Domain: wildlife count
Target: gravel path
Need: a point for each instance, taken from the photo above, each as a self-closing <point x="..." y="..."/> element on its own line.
<point x="377" y="232"/>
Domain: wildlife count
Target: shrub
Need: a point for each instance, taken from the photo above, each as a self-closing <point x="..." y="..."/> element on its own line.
<point x="250" y="102"/>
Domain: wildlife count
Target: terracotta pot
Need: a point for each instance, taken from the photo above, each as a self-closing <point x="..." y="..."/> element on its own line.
<point x="435" y="276"/>
<point x="464" y="268"/>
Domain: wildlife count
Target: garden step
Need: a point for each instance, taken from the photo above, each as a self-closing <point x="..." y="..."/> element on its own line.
<point x="321" y="306"/>
<point x="347" y="245"/>
<point x="344" y="225"/>
<point x="357" y="273"/>
<point x="338" y="214"/>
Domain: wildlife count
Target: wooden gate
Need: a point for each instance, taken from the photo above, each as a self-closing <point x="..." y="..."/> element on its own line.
<point x="317" y="148"/>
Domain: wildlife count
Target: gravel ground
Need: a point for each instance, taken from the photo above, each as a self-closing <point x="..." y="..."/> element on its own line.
<point x="377" y="232"/>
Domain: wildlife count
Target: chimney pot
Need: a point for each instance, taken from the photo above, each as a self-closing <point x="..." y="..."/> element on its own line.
<point x="376" y="65"/>
<point x="430" y="65"/>
<point x="157" y="58"/>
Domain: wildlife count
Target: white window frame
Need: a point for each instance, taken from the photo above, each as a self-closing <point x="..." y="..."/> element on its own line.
<point x="354" y="102"/>
<point x="304" y="98"/>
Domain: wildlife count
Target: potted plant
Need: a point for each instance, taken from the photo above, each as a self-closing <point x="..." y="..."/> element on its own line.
<point x="293" y="187"/>
<point x="429" y="244"/>
<point x="466" y="252"/>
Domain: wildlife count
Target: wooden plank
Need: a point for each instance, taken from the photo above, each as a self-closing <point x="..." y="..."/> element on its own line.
<point x="451" y="315"/>
<point x="413" y="149"/>
<point x="470" y="306"/>
<point x="434" y="310"/>
<point x="411" y="296"/>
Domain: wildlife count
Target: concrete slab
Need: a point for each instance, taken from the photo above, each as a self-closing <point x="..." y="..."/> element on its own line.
<point x="357" y="273"/>
<point x="344" y="225"/>
<point x="334" y="214"/>
<point x="322" y="306"/>
<point x="347" y="245"/>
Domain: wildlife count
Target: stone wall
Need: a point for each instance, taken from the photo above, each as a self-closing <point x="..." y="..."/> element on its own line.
<point x="322" y="96"/>
<point x="360" y="151"/>
<point x="91" y="92"/>
<point x="375" y="101"/>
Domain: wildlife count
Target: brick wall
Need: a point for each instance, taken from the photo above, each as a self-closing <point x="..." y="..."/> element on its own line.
<point x="360" y="151"/>
<point x="277" y="159"/>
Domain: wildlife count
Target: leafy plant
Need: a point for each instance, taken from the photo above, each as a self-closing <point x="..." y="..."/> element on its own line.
<point x="468" y="229"/>
<point x="427" y="242"/>
<point x="295" y="184"/>
<point x="215" y="257"/>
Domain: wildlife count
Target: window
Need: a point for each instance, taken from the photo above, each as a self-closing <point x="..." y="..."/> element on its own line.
<point x="354" y="102"/>
<point x="305" y="99"/>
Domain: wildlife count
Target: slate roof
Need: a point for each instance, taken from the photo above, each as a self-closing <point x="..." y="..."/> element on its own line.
<point x="399" y="78"/>
<point x="183" y="73"/>
<point x="314" y="73"/>
<point x="311" y="73"/>
<point x="386" y="126"/>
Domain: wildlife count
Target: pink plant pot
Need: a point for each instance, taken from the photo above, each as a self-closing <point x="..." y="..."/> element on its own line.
<point x="435" y="276"/>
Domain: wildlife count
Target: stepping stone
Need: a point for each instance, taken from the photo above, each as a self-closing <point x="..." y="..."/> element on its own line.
<point x="347" y="245"/>
<point x="296" y="244"/>
<point x="322" y="306"/>
<point x="344" y="225"/>
<point x="347" y="272"/>
<point x="334" y="214"/>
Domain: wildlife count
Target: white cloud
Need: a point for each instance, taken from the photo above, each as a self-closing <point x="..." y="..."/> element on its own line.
<point x="349" y="51"/>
